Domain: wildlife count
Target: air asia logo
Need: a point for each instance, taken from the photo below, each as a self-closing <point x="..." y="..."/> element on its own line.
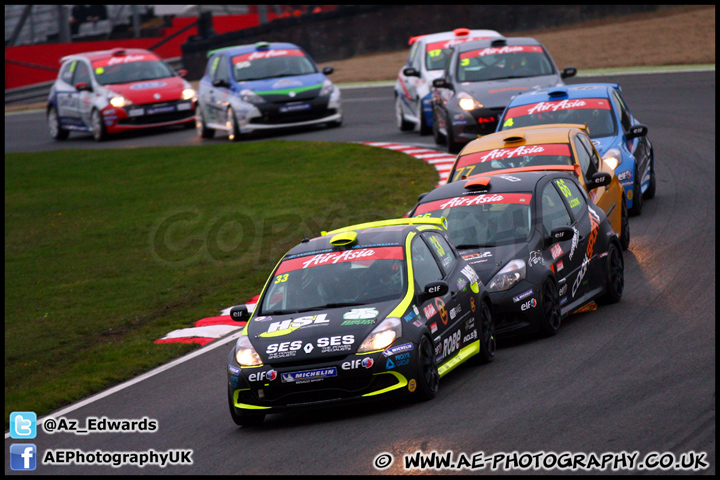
<point x="467" y="201"/>
<point x="500" y="50"/>
<point x="501" y="153"/>
<point x="555" y="106"/>
<point x="594" y="225"/>
<point x="268" y="54"/>
<point x="527" y="305"/>
<point x="125" y="59"/>
<point x="327" y="258"/>
<point x="366" y="362"/>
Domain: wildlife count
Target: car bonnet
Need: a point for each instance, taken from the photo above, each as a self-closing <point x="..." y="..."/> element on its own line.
<point x="150" y="91"/>
<point x="498" y="93"/>
<point x="299" y="87"/>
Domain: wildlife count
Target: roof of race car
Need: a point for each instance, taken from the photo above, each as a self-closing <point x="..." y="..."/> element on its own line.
<point x="255" y="47"/>
<point x="509" y="41"/>
<point x="581" y="90"/>
<point x="375" y="234"/>
<point x="102" y="54"/>
<point x="555" y="133"/>
<point x="440" y="36"/>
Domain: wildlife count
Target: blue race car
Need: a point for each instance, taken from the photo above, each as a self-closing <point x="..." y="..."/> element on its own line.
<point x="264" y="86"/>
<point x="617" y="135"/>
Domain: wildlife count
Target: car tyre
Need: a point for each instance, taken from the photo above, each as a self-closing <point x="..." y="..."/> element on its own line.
<point x="550" y="316"/>
<point x="487" y="337"/>
<point x="624" y="226"/>
<point x="56" y="131"/>
<point x="202" y="129"/>
<point x="637" y="199"/>
<point x="402" y="124"/>
<point x="452" y="145"/>
<point x="615" y="283"/>
<point x="242" y="418"/>
<point x="439" y="137"/>
<point x="98" y="126"/>
<point x="650" y="192"/>
<point x="428" y="376"/>
<point x="234" y="134"/>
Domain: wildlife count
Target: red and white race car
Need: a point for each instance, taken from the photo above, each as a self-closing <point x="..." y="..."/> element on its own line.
<point x="115" y="90"/>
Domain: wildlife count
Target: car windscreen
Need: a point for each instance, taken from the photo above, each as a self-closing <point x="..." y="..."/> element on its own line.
<point x="437" y="54"/>
<point x="484" y="220"/>
<point x="495" y="63"/>
<point x="271" y="64"/>
<point x="116" y="70"/>
<point x="336" y="278"/>
<point x="596" y="113"/>
<point x="512" y="157"/>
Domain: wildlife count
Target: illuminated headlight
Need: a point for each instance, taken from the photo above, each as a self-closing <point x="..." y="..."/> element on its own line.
<point x="249" y="96"/>
<point x="245" y="354"/>
<point x="327" y="88"/>
<point x="188" y="93"/>
<point x="508" y="277"/>
<point x="119" y="101"/>
<point x="467" y="102"/>
<point x="382" y="336"/>
<point x="612" y="158"/>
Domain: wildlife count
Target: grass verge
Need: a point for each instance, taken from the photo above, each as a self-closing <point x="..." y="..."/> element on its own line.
<point x="108" y="250"/>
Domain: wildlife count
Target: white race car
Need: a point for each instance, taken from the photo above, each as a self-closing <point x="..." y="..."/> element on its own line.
<point x="426" y="62"/>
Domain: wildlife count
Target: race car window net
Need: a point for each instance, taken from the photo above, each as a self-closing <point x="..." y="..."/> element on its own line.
<point x="271" y="64"/>
<point x="485" y="220"/>
<point x="594" y="112"/>
<point x="512" y="157"/>
<point x="495" y="63"/>
<point x="108" y="73"/>
<point x="337" y="278"/>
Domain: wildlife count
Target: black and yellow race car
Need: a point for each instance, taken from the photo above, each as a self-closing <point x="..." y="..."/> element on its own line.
<point x="361" y="313"/>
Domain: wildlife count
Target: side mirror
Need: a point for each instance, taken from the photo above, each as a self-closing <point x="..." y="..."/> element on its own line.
<point x="568" y="72"/>
<point x="183" y="73"/>
<point x="219" y="82"/>
<point x="434" y="289"/>
<point x="635" y="131"/>
<point x="599" y="179"/>
<point x="441" y="83"/>
<point x="421" y="196"/>
<point x="411" y="72"/>
<point x="240" y="313"/>
<point x="560" y="234"/>
<point x="83" y="87"/>
<point x="328" y="70"/>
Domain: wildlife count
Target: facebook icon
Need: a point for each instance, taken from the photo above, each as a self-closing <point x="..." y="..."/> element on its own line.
<point x="23" y="456"/>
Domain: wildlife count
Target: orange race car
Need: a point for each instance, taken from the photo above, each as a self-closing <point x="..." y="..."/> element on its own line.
<point x="531" y="148"/>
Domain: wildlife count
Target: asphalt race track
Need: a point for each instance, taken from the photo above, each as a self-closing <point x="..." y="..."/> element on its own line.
<point x="635" y="376"/>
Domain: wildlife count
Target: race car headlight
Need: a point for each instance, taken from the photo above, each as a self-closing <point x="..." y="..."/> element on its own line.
<point x="467" y="102"/>
<point x="118" y="101"/>
<point x="382" y="336"/>
<point x="613" y="158"/>
<point x="249" y="96"/>
<point x="327" y="88"/>
<point x="188" y="93"/>
<point x="245" y="354"/>
<point x="509" y="276"/>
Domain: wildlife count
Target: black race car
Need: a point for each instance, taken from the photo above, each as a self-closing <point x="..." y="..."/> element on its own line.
<point x="479" y="81"/>
<point x="539" y="244"/>
<point x="362" y="313"/>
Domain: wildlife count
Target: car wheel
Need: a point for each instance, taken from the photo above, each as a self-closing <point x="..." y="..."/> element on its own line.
<point x="624" y="227"/>
<point x="439" y="137"/>
<point x="637" y="196"/>
<point x="242" y="418"/>
<point x="616" y="277"/>
<point x="232" y="125"/>
<point x="650" y="192"/>
<point x="402" y="124"/>
<point x="202" y="129"/>
<point x="424" y="129"/>
<point x="56" y="132"/>
<point x="487" y="337"/>
<point x="98" y="126"/>
<point x="428" y="376"/>
<point x="453" y="146"/>
<point x="550" y="317"/>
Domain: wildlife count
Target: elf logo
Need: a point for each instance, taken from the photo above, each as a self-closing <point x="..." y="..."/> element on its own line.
<point x="366" y="362"/>
<point x="527" y="305"/>
<point x="270" y="375"/>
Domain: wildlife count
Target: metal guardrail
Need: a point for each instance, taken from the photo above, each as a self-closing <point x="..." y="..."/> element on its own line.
<point x="39" y="92"/>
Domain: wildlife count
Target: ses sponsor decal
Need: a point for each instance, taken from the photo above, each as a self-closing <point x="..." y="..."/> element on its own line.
<point x="405" y="347"/>
<point x="309" y="375"/>
<point x="556" y="251"/>
<point x="336" y="343"/>
<point x="366" y="362"/>
<point x="468" y="201"/>
<point x="594" y="227"/>
<point x="269" y="375"/>
<point x="277" y="329"/>
<point x="522" y="295"/>
<point x="383" y="253"/>
<point x="555" y="149"/>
